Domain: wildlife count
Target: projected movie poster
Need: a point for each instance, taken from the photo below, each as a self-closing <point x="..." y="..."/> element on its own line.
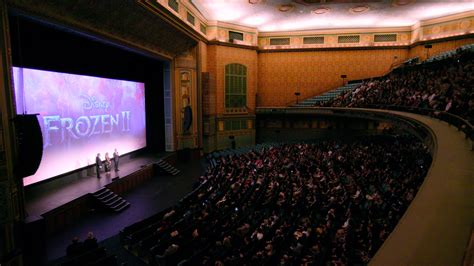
<point x="80" y="116"/>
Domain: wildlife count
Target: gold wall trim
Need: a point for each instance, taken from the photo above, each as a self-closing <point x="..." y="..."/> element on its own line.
<point x="310" y="49"/>
<point x="242" y="46"/>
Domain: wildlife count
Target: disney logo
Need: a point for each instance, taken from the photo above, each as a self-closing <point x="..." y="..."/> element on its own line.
<point x="92" y="103"/>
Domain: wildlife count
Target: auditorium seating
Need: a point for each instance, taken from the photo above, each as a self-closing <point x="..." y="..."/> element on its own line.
<point x="212" y="157"/>
<point x="332" y="202"/>
<point x="443" y="85"/>
<point x="450" y="53"/>
<point x="327" y="96"/>
<point x="97" y="257"/>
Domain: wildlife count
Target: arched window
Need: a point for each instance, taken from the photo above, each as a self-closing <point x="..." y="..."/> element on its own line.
<point x="235" y="87"/>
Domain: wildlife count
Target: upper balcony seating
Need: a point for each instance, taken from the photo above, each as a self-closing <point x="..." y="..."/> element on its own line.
<point x="327" y="96"/>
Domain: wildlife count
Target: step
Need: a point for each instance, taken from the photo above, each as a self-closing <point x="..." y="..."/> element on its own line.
<point x="101" y="192"/>
<point x="110" y="199"/>
<point x="113" y="202"/>
<point x="119" y="204"/>
<point x="106" y="196"/>
<point x="122" y="208"/>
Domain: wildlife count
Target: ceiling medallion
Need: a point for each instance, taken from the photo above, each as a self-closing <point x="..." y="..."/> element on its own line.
<point x="285" y="7"/>
<point x="321" y="10"/>
<point x="359" y="9"/>
<point x="254" y="2"/>
<point x="402" y="2"/>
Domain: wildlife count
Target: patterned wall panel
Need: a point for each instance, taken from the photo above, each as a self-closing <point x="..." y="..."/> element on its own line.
<point x="281" y="74"/>
<point x="421" y="51"/>
<point x="447" y="29"/>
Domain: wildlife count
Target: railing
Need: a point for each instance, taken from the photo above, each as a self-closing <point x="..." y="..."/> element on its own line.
<point x="460" y="123"/>
<point x="457" y="121"/>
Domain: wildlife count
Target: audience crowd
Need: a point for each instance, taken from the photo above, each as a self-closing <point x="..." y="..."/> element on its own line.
<point x="77" y="247"/>
<point x="332" y="202"/>
<point x="443" y="85"/>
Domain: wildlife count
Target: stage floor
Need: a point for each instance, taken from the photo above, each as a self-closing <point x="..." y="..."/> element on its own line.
<point x="44" y="197"/>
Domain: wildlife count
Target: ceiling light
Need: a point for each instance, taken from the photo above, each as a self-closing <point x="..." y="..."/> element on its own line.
<point x="359" y="9"/>
<point x="286" y="7"/>
<point x="321" y="10"/>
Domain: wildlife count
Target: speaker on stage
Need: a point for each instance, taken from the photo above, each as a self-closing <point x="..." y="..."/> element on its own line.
<point x="29" y="144"/>
<point x="34" y="243"/>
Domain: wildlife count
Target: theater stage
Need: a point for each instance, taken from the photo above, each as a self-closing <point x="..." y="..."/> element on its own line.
<point x="65" y="198"/>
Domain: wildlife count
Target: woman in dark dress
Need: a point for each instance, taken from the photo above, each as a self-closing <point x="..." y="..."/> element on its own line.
<point x="108" y="162"/>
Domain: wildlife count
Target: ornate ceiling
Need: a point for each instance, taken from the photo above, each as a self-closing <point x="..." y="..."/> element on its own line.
<point x="293" y="15"/>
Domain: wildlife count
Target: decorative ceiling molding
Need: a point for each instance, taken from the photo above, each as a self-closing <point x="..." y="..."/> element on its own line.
<point x="335" y="31"/>
<point x="225" y="25"/>
<point x="298" y="15"/>
<point x="447" y="18"/>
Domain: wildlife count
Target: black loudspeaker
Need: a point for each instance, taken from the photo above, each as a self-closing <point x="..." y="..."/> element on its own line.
<point x="34" y="244"/>
<point x="29" y="143"/>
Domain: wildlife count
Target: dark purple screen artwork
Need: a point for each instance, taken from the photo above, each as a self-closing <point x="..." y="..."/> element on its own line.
<point x="80" y="116"/>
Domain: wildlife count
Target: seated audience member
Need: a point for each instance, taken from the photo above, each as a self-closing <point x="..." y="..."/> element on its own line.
<point x="75" y="248"/>
<point x="172" y="249"/>
<point x="442" y="86"/>
<point x="331" y="202"/>
<point x="90" y="243"/>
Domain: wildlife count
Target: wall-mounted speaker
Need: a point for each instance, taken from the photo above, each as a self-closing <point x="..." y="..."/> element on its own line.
<point x="29" y="144"/>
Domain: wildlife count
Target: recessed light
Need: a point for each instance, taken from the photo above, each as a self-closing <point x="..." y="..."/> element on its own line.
<point x="285" y="7"/>
<point x="359" y="9"/>
<point x="321" y="10"/>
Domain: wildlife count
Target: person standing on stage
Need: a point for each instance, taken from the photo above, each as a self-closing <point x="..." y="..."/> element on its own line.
<point x="116" y="160"/>
<point x="98" y="164"/>
<point x="108" y="163"/>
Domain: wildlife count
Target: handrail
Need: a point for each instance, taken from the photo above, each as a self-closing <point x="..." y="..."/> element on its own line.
<point x="321" y="93"/>
<point x="460" y="123"/>
<point x="452" y="119"/>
